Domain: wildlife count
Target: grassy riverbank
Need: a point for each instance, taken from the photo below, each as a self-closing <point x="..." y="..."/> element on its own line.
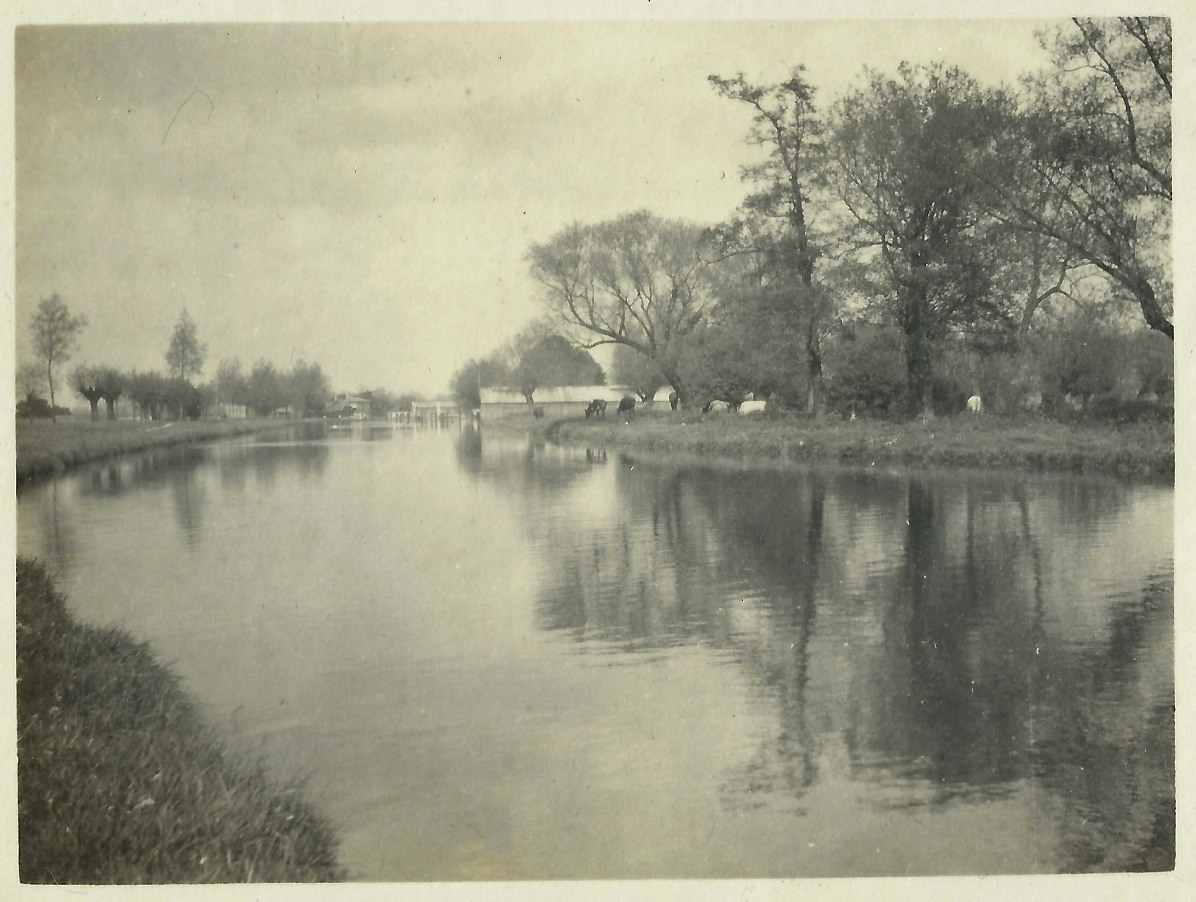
<point x="120" y="780"/>
<point x="1141" y="449"/>
<point x="45" y="447"/>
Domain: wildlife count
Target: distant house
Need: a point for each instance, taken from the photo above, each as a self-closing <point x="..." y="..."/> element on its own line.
<point x="348" y="407"/>
<point x="561" y="401"/>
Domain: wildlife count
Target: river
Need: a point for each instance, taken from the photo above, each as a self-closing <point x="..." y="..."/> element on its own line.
<point x="499" y="659"/>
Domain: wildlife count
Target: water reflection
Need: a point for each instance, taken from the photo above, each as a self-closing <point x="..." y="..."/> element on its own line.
<point x="503" y="658"/>
<point x="185" y="471"/>
<point x="940" y="638"/>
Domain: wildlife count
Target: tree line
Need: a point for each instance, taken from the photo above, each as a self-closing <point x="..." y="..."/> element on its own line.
<point x="921" y="239"/>
<point x="304" y="390"/>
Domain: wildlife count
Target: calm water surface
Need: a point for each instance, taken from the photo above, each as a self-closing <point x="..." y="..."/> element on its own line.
<point x="497" y="659"/>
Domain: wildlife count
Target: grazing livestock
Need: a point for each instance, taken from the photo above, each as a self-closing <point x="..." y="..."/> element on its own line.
<point x="627" y="404"/>
<point x="674" y="400"/>
<point x="752" y="406"/>
<point x="538" y="412"/>
<point x="975" y="405"/>
<point x="596" y="408"/>
<point x="718" y="407"/>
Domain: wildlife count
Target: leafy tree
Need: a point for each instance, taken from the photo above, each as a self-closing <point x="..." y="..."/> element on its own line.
<point x="265" y="390"/>
<point x="907" y="152"/>
<point x="232" y="387"/>
<point x="552" y="361"/>
<point x="148" y="391"/>
<point x="30" y="381"/>
<point x="308" y="389"/>
<point x="1154" y="361"/>
<point x="111" y="383"/>
<point x="639" y="373"/>
<point x="185" y="356"/>
<point x="54" y="331"/>
<point x="86" y="381"/>
<point x="180" y="395"/>
<point x="639" y="281"/>
<point x="487" y="371"/>
<point x="1080" y="354"/>
<point x="776" y="221"/>
<point x="866" y="372"/>
<point x="1088" y="163"/>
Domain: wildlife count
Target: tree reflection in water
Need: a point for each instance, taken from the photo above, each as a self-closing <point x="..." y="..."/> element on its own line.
<point x="946" y="635"/>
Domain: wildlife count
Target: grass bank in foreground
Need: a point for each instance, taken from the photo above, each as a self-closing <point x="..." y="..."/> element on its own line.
<point x="45" y="447"/>
<point x="119" y="779"/>
<point x="1141" y="449"/>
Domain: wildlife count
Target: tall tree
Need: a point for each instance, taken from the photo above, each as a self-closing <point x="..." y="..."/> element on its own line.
<point x="639" y="281"/>
<point x="186" y="353"/>
<point x="907" y="152"/>
<point x="1088" y="164"/>
<point x="55" y="332"/>
<point x="552" y="361"/>
<point x="776" y="221"/>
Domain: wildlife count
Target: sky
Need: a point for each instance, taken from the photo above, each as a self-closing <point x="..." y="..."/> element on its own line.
<point x="364" y="195"/>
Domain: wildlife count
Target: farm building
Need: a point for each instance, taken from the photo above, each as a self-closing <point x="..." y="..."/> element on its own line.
<point x="563" y="401"/>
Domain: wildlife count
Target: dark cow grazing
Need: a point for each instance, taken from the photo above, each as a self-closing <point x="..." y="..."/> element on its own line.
<point x="538" y="413"/>
<point x="627" y="404"/>
<point x="674" y="400"/>
<point x="596" y="408"/>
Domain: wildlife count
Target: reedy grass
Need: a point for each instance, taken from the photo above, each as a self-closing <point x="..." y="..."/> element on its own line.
<point x="1138" y="450"/>
<point x="119" y="778"/>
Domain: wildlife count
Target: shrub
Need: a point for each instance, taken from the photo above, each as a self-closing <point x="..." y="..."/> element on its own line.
<point x="865" y="371"/>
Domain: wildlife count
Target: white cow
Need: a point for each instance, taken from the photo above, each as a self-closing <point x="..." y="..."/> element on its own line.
<point x="975" y="405"/>
<point x="752" y="406"/>
<point x="718" y="407"/>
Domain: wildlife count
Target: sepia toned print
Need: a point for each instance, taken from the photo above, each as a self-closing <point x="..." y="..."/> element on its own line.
<point x="627" y="450"/>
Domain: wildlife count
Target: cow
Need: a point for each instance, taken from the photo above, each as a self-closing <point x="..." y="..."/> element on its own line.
<point x="627" y="405"/>
<point x="752" y="406"/>
<point x="538" y="412"/>
<point x="718" y="407"/>
<point x="975" y="405"/>
<point x="596" y="408"/>
<point x="674" y="400"/>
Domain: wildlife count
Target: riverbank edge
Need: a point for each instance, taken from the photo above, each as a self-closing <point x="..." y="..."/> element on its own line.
<point x="1136" y="451"/>
<point x="121" y="780"/>
<point x="74" y="446"/>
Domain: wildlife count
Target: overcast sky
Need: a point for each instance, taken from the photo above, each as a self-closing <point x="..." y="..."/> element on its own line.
<point x="364" y="195"/>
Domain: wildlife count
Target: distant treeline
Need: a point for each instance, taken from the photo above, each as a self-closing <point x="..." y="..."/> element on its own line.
<point x="923" y="239"/>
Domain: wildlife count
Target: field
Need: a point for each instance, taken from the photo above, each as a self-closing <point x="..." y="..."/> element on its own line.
<point x="1145" y="449"/>
<point x="45" y="447"/>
